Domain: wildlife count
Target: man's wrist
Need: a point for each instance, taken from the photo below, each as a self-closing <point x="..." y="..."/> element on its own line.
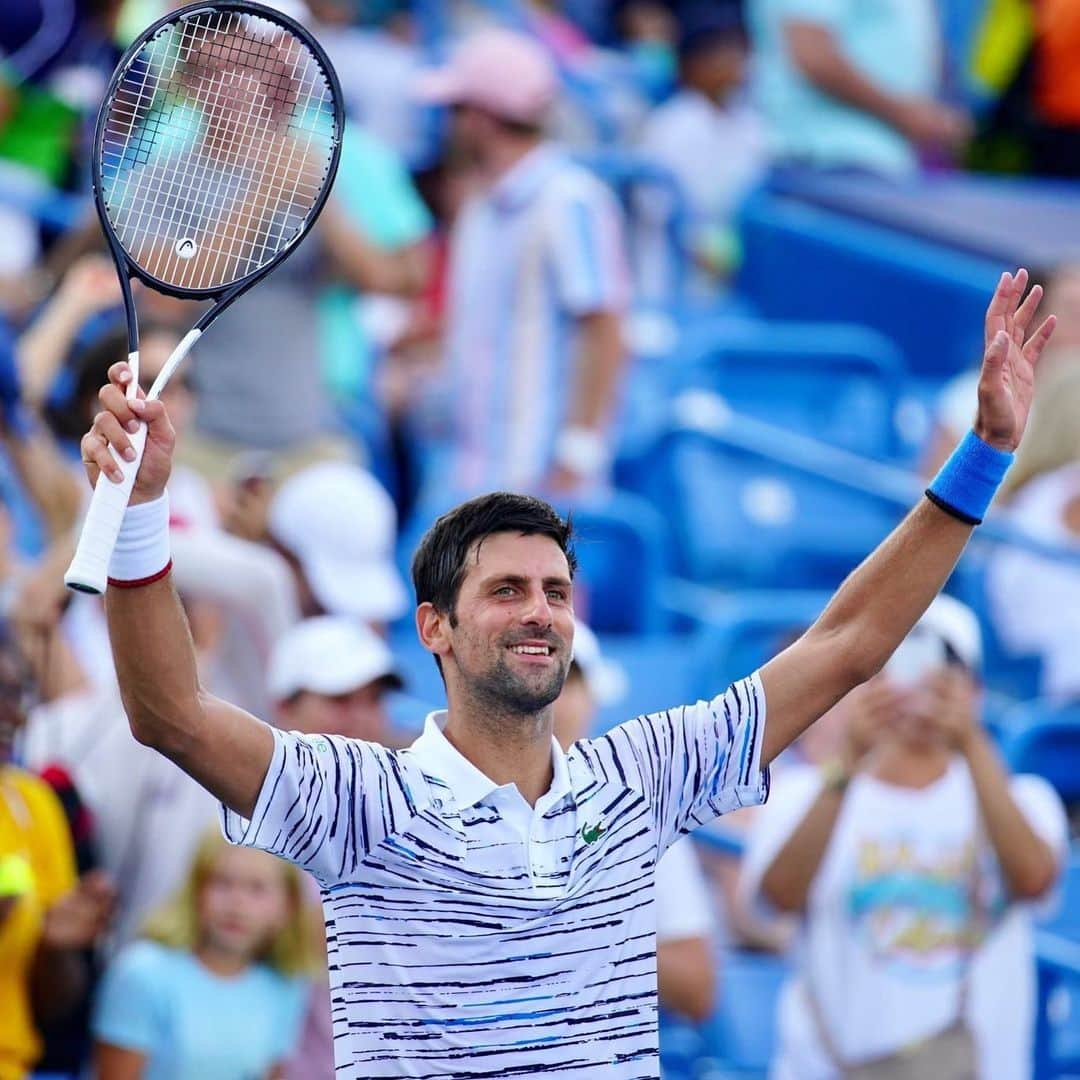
<point x="142" y="553"/>
<point x="966" y="484"/>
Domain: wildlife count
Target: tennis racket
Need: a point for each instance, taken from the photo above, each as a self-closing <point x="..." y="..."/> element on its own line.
<point x="215" y="149"/>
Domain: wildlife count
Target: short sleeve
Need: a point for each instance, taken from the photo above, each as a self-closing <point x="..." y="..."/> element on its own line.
<point x="588" y="252"/>
<point x="325" y="803"/>
<point x="772" y="826"/>
<point x="683" y="907"/>
<point x="696" y="762"/>
<point x="131" y="1010"/>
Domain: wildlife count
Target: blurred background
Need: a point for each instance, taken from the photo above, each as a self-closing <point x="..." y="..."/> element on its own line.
<point x="709" y="275"/>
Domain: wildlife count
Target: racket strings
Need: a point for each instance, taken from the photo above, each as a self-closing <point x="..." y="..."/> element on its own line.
<point x="216" y="148"/>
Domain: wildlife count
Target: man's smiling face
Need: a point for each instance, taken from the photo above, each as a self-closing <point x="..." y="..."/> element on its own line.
<point x="512" y="628"/>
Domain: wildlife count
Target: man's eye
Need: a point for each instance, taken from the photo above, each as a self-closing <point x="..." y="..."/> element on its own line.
<point x="504" y="590"/>
<point x="556" y="594"/>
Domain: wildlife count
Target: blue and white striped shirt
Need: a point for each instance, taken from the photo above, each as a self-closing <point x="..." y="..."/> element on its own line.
<point x="471" y="935"/>
<point x="541" y="249"/>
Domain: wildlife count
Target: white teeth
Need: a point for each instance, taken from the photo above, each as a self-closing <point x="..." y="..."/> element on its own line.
<point x="531" y="650"/>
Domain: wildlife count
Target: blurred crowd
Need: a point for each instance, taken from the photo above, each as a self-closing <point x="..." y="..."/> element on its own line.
<point x="461" y="320"/>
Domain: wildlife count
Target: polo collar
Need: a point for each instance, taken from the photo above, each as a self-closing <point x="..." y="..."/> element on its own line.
<point x="524" y="180"/>
<point x="438" y="757"/>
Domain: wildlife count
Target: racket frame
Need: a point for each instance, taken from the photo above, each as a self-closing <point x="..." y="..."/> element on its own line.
<point x="83" y="575"/>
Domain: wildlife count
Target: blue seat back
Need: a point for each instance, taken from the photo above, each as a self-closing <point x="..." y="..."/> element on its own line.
<point x="744" y="1030"/>
<point x="742" y="521"/>
<point x="1045" y="740"/>
<point x="840" y="383"/>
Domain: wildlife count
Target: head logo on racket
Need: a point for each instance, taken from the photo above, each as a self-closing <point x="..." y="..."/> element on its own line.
<point x="186" y="247"/>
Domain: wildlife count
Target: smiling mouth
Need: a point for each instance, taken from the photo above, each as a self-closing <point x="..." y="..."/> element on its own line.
<point x="531" y="650"/>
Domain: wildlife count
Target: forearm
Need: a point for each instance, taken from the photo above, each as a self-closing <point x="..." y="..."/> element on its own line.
<point x="686" y="976"/>
<point x="155" y="664"/>
<point x="786" y="883"/>
<point x="398" y="272"/>
<point x="1027" y="863"/>
<point x="817" y="55"/>
<point x="59" y="980"/>
<point x="47" y="479"/>
<point x="601" y="355"/>
<point x="863" y="624"/>
<point x="42" y="349"/>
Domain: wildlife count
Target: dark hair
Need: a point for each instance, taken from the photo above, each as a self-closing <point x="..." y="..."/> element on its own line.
<point x="438" y="567"/>
<point x="87" y="371"/>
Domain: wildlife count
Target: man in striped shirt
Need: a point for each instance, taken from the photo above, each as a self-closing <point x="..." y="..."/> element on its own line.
<point x="489" y="898"/>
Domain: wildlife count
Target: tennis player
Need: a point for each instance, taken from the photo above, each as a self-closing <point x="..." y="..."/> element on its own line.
<point x="488" y="898"/>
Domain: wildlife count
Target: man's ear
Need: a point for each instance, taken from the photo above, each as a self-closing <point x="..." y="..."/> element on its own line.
<point x="433" y="626"/>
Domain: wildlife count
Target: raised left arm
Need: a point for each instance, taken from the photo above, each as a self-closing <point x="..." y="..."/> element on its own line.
<point x="884" y="597"/>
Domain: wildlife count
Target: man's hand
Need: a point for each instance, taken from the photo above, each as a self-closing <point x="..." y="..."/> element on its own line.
<point x="112" y="427"/>
<point x="1007" y="380"/>
<point x="76" y="920"/>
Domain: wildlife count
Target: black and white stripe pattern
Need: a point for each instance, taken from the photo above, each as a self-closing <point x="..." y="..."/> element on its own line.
<point x="461" y="946"/>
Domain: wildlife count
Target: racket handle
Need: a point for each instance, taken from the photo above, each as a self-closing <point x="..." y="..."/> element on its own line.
<point x="89" y="570"/>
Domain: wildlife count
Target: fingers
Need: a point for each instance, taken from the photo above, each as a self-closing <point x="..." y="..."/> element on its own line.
<point x="115" y="403"/>
<point x="120" y="374"/>
<point x="98" y="458"/>
<point x="1025" y="313"/>
<point x="1037" y="342"/>
<point x="999" y="302"/>
<point x="109" y="428"/>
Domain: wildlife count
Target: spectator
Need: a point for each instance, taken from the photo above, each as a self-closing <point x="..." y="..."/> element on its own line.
<point x="843" y="87"/>
<point x="47" y="915"/>
<point x="685" y="945"/>
<point x="911" y="859"/>
<point x="1035" y="601"/>
<point x="329" y="676"/>
<point x="336" y="526"/>
<point x="711" y="141"/>
<point x="537" y="283"/>
<point x="216" y="990"/>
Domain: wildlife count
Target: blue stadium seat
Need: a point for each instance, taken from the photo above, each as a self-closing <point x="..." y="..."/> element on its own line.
<point x="1045" y="739"/>
<point x="1064" y="919"/>
<point x="1057" y="1016"/>
<point x="623" y="551"/>
<point x="805" y="262"/>
<point x="841" y="383"/>
<point x="744" y="1029"/>
<point x="741" y="521"/>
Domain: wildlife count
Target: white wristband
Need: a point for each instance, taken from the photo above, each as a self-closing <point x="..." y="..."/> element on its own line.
<point x="583" y="451"/>
<point x="142" y="548"/>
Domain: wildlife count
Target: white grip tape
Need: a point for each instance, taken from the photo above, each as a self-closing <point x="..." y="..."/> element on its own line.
<point x="89" y="570"/>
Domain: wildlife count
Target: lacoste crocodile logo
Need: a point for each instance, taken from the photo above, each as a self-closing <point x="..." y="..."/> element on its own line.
<point x="591" y="833"/>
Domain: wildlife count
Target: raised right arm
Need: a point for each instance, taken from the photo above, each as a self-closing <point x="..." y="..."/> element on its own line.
<point x="224" y="748"/>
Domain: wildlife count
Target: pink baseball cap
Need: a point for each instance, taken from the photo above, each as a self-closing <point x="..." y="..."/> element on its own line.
<point x="500" y="71"/>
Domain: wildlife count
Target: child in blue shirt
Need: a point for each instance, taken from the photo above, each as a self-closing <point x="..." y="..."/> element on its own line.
<point x="215" y="990"/>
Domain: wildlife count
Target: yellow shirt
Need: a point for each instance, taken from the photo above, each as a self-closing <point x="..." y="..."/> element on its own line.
<point x="36" y="848"/>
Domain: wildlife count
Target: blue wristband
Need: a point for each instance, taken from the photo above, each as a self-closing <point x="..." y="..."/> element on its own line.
<point x="968" y="481"/>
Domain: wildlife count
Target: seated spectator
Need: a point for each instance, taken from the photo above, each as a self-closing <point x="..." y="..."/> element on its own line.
<point x="845" y="88"/>
<point x="911" y="859"/>
<point x="329" y="676"/>
<point x="1035" y="601"/>
<point x="712" y="142"/>
<point x="685" y="930"/>
<point x="47" y="915"/>
<point x="336" y="526"/>
<point x="217" y="988"/>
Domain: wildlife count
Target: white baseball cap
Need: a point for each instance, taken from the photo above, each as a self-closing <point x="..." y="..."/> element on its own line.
<point x="329" y="654"/>
<point x="948" y="630"/>
<point x="605" y="679"/>
<point x="340" y="524"/>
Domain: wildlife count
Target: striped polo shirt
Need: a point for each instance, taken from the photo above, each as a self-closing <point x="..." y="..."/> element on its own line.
<point x="471" y="935"/>
<point x="540" y="249"/>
